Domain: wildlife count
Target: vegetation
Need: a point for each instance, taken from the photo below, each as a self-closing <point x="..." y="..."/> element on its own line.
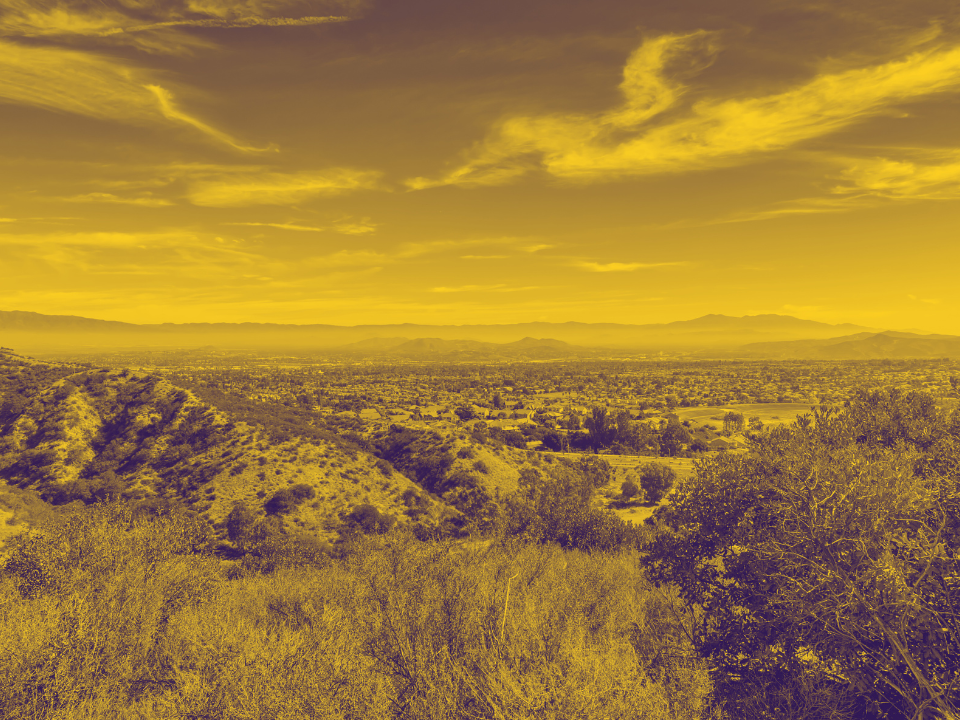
<point x="824" y="565"/>
<point x="120" y="615"/>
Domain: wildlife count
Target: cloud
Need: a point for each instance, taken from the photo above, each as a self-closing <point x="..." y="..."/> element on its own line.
<point x="282" y="226"/>
<point x="634" y="139"/>
<point x="111" y="198"/>
<point x="904" y="179"/>
<point x="484" y="257"/>
<point x="928" y="301"/>
<point x="483" y="288"/>
<point x="273" y="188"/>
<point x="170" y="111"/>
<point x="88" y="84"/>
<point x="619" y="266"/>
<point x="536" y="248"/>
<point x="155" y="26"/>
<point x="102" y="239"/>
<point x="8" y="219"/>
<point x="348" y="258"/>
<point x="363" y="227"/>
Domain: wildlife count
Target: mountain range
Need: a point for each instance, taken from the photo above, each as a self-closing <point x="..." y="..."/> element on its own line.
<point x="30" y="332"/>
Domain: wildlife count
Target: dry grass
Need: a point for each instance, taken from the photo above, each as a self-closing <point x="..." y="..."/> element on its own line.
<point x="398" y="629"/>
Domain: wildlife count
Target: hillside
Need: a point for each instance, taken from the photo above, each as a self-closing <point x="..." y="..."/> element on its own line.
<point x="86" y="436"/>
<point x="464" y="350"/>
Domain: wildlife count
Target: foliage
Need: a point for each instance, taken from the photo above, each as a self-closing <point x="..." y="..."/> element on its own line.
<point x="555" y="506"/>
<point x="827" y="559"/>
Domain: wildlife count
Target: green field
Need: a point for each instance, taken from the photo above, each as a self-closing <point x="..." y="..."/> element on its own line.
<point x="769" y="413"/>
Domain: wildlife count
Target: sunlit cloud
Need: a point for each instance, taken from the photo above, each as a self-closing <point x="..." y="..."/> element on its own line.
<point x="8" y="219"/>
<point x="274" y="188"/>
<point x="281" y="226"/>
<point x="363" y="227"/>
<point x="171" y="112"/>
<point x="154" y="26"/>
<point x="483" y="288"/>
<point x="536" y="248"/>
<point x="904" y="179"/>
<point x="348" y="258"/>
<point x="619" y="266"/>
<point x="97" y="197"/>
<point x="717" y="132"/>
<point x="484" y="257"/>
<point x="91" y="85"/>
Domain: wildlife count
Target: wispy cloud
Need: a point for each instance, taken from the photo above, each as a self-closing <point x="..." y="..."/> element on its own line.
<point x="484" y="257"/>
<point x="92" y="85"/>
<point x="274" y="188"/>
<point x="483" y="288"/>
<point x="928" y="301"/>
<point x="98" y="197"/>
<point x="281" y="226"/>
<point x="904" y="179"/>
<point x="155" y="26"/>
<point x="619" y="266"/>
<point x="348" y="258"/>
<point x="716" y="132"/>
<point x="536" y="248"/>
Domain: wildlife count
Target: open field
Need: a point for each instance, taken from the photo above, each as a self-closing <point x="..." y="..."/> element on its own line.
<point x="769" y="413"/>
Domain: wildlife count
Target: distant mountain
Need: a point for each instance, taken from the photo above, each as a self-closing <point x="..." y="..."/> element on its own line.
<point x="860" y="346"/>
<point x="425" y="348"/>
<point x="32" y="332"/>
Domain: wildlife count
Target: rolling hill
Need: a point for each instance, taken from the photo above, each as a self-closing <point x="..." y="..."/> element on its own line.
<point x="860" y="346"/>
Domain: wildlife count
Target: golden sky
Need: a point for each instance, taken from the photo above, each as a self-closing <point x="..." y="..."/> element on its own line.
<point x="450" y="161"/>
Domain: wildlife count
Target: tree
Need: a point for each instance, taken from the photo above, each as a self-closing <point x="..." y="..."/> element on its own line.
<point x="630" y="491"/>
<point x="656" y="480"/>
<point x="600" y="428"/>
<point x="672" y="439"/>
<point x="732" y="422"/>
<point x="828" y="557"/>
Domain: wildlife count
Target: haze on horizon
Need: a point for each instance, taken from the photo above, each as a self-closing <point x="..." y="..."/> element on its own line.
<point x="371" y="162"/>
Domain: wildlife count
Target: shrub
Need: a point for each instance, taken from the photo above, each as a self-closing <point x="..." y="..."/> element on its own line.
<point x="280" y="503"/>
<point x="481" y="467"/>
<point x="367" y="519"/>
<point x="302" y="491"/>
<point x="466" y="453"/>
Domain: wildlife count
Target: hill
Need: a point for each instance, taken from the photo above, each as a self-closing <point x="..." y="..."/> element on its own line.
<point x="32" y="333"/>
<point x="860" y="346"/>
<point x="86" y="436"/>
<point x="466" y="350"/>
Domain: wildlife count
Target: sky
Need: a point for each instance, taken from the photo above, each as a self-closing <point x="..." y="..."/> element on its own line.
<point x="458" y="162"/>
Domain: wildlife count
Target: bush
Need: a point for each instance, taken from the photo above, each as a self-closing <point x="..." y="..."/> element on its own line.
<point x="367" y="519"/>
<point x="481" y="467"/>
<point x="466" y="453"/>
<point x="302" y="491"/>
<point x="281" y="503"/>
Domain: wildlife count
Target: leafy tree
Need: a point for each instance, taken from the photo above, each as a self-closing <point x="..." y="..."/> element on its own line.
<point x="629" y="491"/>
<point x="672" y="439"/>
<point x="600" y="428"/>
<point x="827" y="558"/>
<point x="732" y="422"/>
<point x="656" y="480"/>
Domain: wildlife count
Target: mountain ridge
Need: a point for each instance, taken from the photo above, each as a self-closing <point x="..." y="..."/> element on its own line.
<point x="37" y="332"/>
